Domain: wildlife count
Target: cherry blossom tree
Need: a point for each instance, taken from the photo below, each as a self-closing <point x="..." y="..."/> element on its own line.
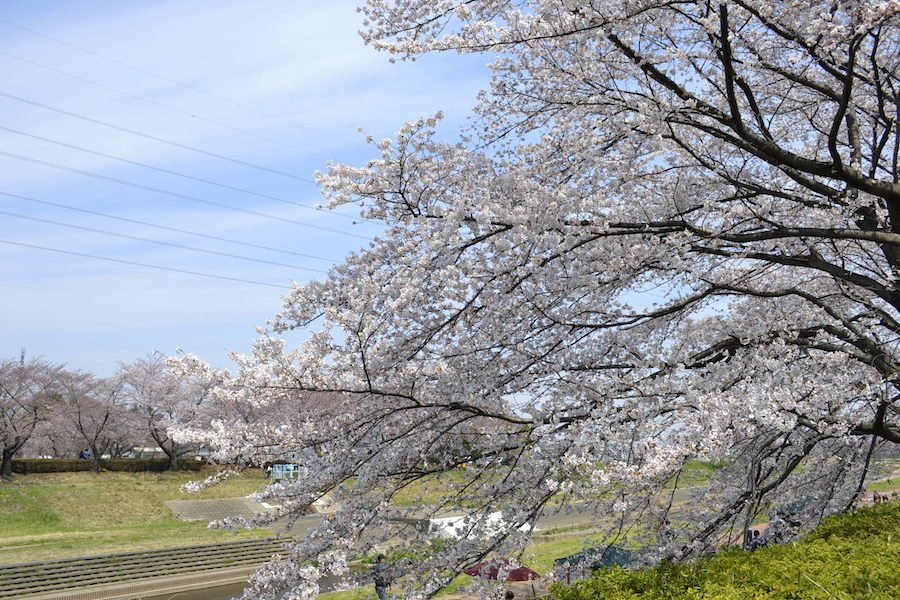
<point x="97" y="413"/>
<point x="28" y="391"/>
<point x="54" y="438"/>
<point x="672" y="233"/>
<point x="163" y="399"/>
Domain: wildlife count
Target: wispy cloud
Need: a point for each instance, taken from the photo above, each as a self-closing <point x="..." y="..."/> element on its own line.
<point x="294" y="75"/>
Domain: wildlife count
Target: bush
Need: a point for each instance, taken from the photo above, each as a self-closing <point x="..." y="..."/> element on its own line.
<point x="25" y="466"/>
<point x="156" y="465"/>
<point x="848" y="557"/>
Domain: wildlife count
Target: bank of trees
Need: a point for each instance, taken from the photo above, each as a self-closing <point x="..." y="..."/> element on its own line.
<point x="672" y="232"/>
<point x="50" y="411"/>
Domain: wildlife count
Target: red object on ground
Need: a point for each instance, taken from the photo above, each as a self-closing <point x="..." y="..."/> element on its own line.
<point x="491" y="570"/>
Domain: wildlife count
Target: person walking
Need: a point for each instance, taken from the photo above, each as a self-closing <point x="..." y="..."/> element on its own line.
<point x="382" y="577"/>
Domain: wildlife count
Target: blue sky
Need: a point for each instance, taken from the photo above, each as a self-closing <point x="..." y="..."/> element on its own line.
<point x="111" y="114"/>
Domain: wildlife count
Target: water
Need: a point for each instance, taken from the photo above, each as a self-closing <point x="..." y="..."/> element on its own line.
<point x="224" y="592"/>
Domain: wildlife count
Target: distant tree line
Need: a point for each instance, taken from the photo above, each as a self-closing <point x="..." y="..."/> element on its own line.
<point x="54" y="412"/>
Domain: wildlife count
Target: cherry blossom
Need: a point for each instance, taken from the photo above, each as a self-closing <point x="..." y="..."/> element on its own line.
<point x="671" y="234"/>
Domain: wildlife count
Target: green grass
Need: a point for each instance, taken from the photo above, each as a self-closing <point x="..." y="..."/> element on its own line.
<point x="432" y="490"/>
<point x="887" y="485"/>
<point x="694" y="474"/>
<point x="540" y="555"/>
<point x="848" y="557"/>
<point x="60" y="515"/>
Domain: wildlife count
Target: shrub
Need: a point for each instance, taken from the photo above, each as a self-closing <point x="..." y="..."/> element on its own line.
<point x="149" y="464"/>
<point x="847" y="557"/>
<point x="25" y="466"/>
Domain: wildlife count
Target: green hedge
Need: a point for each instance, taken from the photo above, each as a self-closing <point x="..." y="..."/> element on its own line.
<point x="25" y="466"/>
<point x="49" y="465"/>
<point x="849" y="557"/>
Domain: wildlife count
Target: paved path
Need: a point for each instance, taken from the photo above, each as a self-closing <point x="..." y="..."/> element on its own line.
<point x="214" y="510"/>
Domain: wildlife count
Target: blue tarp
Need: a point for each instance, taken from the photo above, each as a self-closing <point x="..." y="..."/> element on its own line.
<point x="595" y="558"/>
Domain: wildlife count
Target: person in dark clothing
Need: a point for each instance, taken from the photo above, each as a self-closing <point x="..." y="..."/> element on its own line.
<point x="382" y="577"/>
<point x="756" y="541"/>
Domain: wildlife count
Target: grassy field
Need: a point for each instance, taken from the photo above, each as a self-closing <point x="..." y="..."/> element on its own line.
<point x="887" y="485"/>
<point x="432" y="491"/>
<point x="60" y="515"/>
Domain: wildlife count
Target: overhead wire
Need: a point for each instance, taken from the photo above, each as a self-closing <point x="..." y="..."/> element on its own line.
<point x="159" y="242"/>
<point x="165" y="227"/>
<point x="160" y="169"/>
<point x="154" y="137"/>
<point x="179" y="195"/>
<point x="171" y="172"/>
<point x="168" y="80"/>
<point x="140" y="264"/>
<point x="177" y="110"/>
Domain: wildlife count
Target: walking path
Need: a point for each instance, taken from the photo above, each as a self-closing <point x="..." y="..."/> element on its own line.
<point x="214" y="510"/>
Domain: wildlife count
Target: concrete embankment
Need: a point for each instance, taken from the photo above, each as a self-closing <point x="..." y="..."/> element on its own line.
<point x="138" y="574"/>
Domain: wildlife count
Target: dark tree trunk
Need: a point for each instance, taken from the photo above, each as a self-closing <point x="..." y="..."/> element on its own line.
<point x="96" y="454"/>
<point x="172" y="455"/>
<point x="6" y="464"/>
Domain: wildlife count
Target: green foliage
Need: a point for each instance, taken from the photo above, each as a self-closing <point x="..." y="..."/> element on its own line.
<point x="847" y="558"/>
<point x="874" y="521"/>
<point x="25" y="466"/>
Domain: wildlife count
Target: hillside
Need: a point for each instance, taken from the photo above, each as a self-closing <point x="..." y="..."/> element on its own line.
<point x="62" y="515"/>
<point x="849" y="557"/>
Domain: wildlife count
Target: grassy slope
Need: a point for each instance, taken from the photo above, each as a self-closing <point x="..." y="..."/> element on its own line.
<point x="47" y="516"/>
<point x="848" y="558"/>
<point x="59" y="515"/>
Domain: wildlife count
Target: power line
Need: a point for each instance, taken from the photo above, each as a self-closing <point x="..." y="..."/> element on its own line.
<point x="138" y="264"/>
<point x="164" y="227"/>
<point x="159" y="104"/>
<point x="178" y="194"/>
<point x="159" y="242"/>
<point x="153" y="137"/>
<point x="172" y="81"/>
<point x="170" y="172"/>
